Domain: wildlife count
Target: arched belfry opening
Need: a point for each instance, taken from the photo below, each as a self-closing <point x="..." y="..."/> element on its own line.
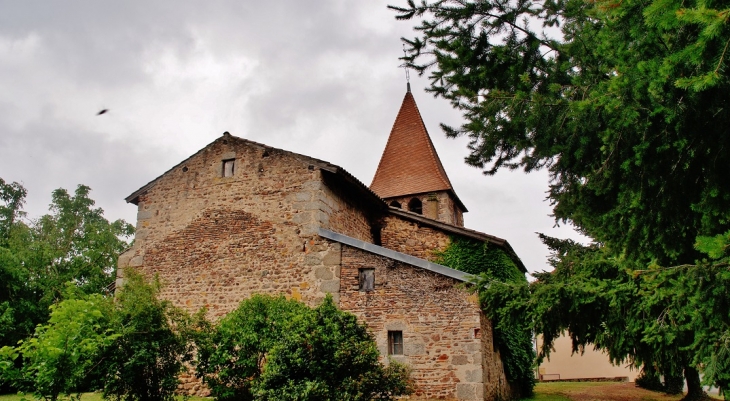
<point x="395" y="204"/>
<point x="415" y="205"/>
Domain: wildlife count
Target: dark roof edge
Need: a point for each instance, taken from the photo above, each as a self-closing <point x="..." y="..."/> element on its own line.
<point x="391" y="254"/>
<point x="500" y="242"/>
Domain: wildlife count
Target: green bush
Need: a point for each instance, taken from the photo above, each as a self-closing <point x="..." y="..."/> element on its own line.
<point x="277" y="349"/>
<point x="62" y="357"/>
<point x="154" y="343"/>
<point x="232" y="356"/>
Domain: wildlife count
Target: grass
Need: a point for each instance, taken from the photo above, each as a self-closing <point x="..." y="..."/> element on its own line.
<point x="84" y="397"/>
<point x="554" y="391"/>
<point x="608" y="391"/>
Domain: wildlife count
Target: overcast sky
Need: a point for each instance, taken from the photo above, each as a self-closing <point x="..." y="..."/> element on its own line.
<point x="319" y="78"/>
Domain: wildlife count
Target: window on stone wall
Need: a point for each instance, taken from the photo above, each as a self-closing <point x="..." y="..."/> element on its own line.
<point x="395" y="204"/>
<point x="228" y="166"/>
<point x="416" y="206"/>
<point x="366" y="279"/>
<point x="395" y="342"/>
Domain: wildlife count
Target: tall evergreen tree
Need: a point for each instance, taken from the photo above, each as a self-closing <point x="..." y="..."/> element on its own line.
<point x="626" y="107"/>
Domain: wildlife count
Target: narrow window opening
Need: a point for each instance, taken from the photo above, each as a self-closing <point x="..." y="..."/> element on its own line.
<point x="395" y="342"/>
<point x="377" y="238"/>
<point x="477" y="333"/>
<point x="228" y="166"/>
<point x="415" y="206"/>
<point x="395" y="204"/>
<point x="366" y="278"/>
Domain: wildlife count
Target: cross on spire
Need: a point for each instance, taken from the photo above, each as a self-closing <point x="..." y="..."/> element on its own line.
<point x="405" y="67"/>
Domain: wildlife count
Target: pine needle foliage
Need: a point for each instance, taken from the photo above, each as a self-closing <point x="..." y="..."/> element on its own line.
<point x="626" y="104"/>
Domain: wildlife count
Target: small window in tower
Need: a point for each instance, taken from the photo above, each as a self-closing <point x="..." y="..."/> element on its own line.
<point x="395" y="342"/>
<point x="228" y="166"/>
<point x="395" y="204"/>
<point x="415" y="206"/>
<point x="366" y="278"/>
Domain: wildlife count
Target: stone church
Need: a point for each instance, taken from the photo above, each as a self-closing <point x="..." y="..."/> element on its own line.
<point x="239" y="217"/>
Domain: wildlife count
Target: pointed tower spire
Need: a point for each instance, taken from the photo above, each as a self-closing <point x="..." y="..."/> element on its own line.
<point x="411" y="169"/>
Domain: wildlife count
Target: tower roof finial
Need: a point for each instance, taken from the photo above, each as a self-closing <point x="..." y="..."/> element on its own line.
<point x="405" y="67"/>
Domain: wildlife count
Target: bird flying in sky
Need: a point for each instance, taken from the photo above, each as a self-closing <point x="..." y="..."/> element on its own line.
<point x="102" y="112"/>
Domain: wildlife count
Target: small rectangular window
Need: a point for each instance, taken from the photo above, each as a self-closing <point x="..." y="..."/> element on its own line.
<point x="395" y="343"/>
<point x="366" y="278"/>
<point x="228" y="166"/>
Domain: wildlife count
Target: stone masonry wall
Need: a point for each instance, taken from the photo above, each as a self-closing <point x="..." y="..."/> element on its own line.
<point x="441" y="323"/>
<point x="344" y="214"/>
<point x="216" y="240"/>
<point x="411" y="238"/>
<point x="496" y="386"/>
<point x="436" y="205"/>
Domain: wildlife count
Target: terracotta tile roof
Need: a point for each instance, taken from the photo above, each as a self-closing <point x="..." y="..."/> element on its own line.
<point x="409" y="164"/>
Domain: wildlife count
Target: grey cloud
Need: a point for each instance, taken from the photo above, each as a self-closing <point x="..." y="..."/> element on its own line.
<point x="319" y="78"/>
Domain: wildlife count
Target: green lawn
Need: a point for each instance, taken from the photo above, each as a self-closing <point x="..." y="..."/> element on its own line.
<point x="605" y="391"/>
<point x="84" y="397"/>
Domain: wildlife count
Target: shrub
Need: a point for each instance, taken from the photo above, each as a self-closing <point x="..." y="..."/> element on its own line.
<point x="233" y="354"/>
<point x="144" y="362"/>
<point x="277" y="349"/>
<point x="63" y="355"/>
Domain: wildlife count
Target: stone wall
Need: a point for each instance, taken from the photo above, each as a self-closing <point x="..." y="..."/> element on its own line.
<point x="441" y="323"/>
<point x="496" y="386"/>
<point x="436" y="205"/>
<point x="343" y="212"/>
<point x="216" y="240"/>
<point x="411" y="238"/>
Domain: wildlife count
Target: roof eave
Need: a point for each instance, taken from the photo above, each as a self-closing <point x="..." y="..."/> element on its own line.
<point x="395" y="255"/>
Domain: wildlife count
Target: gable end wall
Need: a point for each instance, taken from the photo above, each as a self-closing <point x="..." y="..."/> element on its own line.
<point x="215" y="240"/>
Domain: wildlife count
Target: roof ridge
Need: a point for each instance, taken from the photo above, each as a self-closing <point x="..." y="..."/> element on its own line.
<point x="325" y="165"/>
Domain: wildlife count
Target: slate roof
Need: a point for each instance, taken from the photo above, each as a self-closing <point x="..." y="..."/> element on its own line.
<point x="410" y="164"/>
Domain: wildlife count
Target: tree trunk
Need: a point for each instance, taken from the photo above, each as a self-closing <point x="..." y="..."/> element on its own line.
<point x="694" y="386"/>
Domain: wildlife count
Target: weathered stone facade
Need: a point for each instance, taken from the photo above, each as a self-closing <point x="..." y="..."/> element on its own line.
<point x="216" y="240"/>
<point x="439" y="206"/>
<point x="411" y="238"/>
<point x="216" y="235"/>
<point x="447" y="339"/>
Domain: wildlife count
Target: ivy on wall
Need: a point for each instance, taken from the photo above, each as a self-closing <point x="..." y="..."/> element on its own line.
<point x="514" y="342"/>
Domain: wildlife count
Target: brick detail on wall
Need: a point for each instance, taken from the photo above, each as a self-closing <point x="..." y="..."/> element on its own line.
<point x="215" y="240"/>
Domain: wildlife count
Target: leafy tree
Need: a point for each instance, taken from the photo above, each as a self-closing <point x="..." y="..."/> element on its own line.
<point x="232" y="357"/>
<point x="39" y="256"/>
<point x="626" y="108"/>
<point x="12" y="196"/>
<point x="63" y="355"/>
<point x="328" y="355"/>
<point x="271" y="348"/>
<point x="154" y="343"/>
